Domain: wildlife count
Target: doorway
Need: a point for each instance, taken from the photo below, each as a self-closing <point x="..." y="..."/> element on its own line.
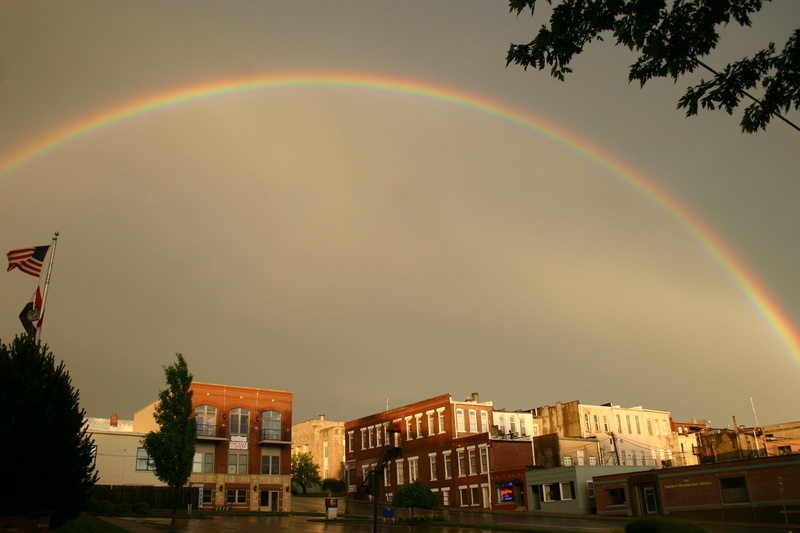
<point x="268" y="500"/>
<point x="650" y="500"/>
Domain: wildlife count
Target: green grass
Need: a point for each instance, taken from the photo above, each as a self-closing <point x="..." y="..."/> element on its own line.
<point x="86" y="523"/>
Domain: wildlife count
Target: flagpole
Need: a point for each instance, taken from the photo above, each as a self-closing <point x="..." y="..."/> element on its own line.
<point x="47" y="283"/>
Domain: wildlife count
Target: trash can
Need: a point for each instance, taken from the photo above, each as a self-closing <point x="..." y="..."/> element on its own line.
<point x="331" y="508"/>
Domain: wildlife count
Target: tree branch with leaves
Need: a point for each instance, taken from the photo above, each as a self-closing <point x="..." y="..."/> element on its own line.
<point x="672" y="38"/>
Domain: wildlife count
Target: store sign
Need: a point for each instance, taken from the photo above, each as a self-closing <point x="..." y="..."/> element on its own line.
<point x="238" y="442"/>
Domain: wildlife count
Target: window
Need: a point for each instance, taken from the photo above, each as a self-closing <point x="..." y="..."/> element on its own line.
<point x="649" y="427"/>
<point x="566" y="460"/>
<point x="734" y="489"/>
<point x="551" y="492"/>
<point x="628" y="422"/>
<point x="566" y="491"/>
<point x="473" y="463"/>
<point x="379" y="435"/>
<point x="638" y="427"/>
<point x="462" y="463"/>
<point x="413" y="469"/>
<point x="586" y="421"/>
<point x="619" y="424"/>
<point x="143" y="461"/>
<point x="473" y="421"/>
<point x="237" y="463"/>
<point x="271" y="425"/>
<point x="581" y="457"/>
<point x="237" y="496"/>
<point x="441" y="421"/>
<point x="418" y="420"/>
<point x="240" y="421"/>
<point x="432" y="459"/>
<point x="484" y="422"/>
<point x="409" y="434"/>
<point x="512" y="425"/>
<point x="448" y="465"/>
<point x="605" y="423"/>
<point x="349" y="441"/>
<point x="431" y="429"/>
<point x="400" y="476"/>
<point x="206" y="416"/>
<point x="501" y="424"/>
<point x="445" y="497"/>
<point x="590" y="489"/>
<point x="484" y="459"/>
<point x="596" y="423"/>
<point x="476" y="495"/>
<point x="592" y="460"/>
<point x="205" y="497"/>
<point x="93" y="463"/>
<point x="616" y="496"/>
<point x="271" y="465"/>
<point x="203" y="463"/>
<point x="363" y="438"/>
<point x="459" y="420"/>
<point x="464" y="493"/>
<point x="370" y="433"/>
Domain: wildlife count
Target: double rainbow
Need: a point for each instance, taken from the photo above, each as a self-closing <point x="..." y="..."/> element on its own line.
<point x="717" y="249"/>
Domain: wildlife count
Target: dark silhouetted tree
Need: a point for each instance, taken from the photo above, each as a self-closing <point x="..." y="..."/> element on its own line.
<point x="171" y="448"/>
<point x="305" y="472"/>
<point x="417" y="494"/>
<point x="48" y="457"/>
<point x="671" y="38"/>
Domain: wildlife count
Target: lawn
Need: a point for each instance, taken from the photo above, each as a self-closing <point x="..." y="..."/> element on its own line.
<point x="86" y="523"/>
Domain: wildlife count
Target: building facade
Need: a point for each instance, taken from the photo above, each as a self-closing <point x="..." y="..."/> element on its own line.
<point x="324" y="440"/>
<point x="446" y="444"/>
<point x="756" y="490"/>
<point x="631" y="436"/>
<point x="242" y="455"/>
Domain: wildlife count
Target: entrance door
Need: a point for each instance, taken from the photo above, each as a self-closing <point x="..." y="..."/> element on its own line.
<point x="268" y="500"/>
<point x="650" y="500"/>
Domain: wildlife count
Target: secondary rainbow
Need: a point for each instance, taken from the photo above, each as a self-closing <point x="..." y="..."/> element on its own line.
<point x="718" y="250"/>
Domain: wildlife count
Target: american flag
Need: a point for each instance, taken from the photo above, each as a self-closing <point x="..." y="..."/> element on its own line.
<point x="28" y="260"/>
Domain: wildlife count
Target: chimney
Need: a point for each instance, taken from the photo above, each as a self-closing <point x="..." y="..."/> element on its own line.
<point x="475" y="397"/>
<point x="322" y="417"/>
<point x="114" y="420"/>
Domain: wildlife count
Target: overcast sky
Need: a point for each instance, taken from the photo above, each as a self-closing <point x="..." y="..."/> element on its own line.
<point x="353" y="245"/>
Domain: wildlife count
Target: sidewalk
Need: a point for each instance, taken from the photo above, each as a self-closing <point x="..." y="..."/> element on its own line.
<point x="131" y="526"/>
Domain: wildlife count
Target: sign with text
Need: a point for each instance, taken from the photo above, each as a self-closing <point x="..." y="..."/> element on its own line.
<point x="238" y="442"/>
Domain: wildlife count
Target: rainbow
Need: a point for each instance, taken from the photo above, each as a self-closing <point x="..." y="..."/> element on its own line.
<point x="717" y="249"/>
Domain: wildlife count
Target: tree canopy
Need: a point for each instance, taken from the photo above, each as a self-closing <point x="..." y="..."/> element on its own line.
<point x="305" y="472"/>
<point x="417" y="494"/>
<point x="671" y="39"/>
<point x="171" y="448"/>
<point x="48" y="457"/>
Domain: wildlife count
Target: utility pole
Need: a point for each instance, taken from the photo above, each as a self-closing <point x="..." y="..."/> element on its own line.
<point x="614" y="444"/>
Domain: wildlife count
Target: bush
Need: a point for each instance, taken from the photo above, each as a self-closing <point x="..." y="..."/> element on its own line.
<point x="333" y="485"/>
<point x="104" y="507"/>
<point x="91" y="505"/>
<point x="663" y="525"/>
<point x="141" y="508"/>
<point x="122" y="508"/>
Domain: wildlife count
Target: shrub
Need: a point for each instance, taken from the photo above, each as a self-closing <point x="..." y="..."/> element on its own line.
<point x="663" y="525"/>
<point x="333" y="485"/>
<point x="105" y="507"/>
<point x="91" y="505"/>
<point x="122" y="508"/>
<point x="141" y="508"/>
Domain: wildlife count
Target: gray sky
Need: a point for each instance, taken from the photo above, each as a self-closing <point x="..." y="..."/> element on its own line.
<point x="352" y="245"/>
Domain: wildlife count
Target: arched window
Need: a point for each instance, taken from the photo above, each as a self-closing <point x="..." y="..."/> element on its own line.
<point x="484" y="422"/>
<point x="206" y="416"/>
<point x="459" y="420"/>
<point x="240" y="421"/>
<point x="270" y="425"/>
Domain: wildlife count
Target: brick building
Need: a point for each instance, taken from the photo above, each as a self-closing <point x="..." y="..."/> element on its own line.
<point x="242" y="455"/>
<point x="447" y="444"/>
<point x="756" y="490"/>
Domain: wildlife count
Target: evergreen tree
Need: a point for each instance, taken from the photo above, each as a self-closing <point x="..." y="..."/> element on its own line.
<point x="48" y="457"/>
<point x="305" y="471"/>
<point x="417" y="494"/>
<point x="171" y="448"/>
